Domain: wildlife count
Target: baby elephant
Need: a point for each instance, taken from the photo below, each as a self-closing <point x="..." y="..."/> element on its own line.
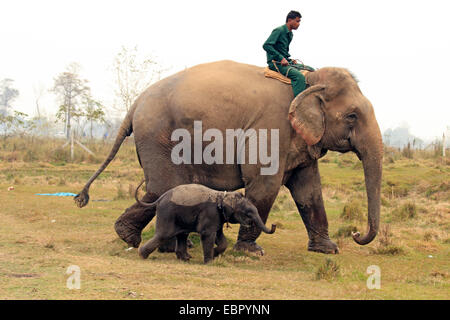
<point x="196" y="208"/>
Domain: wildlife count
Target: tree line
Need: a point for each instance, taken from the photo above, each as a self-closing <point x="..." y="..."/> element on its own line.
<point x="77" y="109"/>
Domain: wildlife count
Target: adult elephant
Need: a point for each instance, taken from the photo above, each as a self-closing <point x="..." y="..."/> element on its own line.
<point x="332" y="114"/>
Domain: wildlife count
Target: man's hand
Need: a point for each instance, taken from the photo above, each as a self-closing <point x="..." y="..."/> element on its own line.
<point x="284" y="62"/>
<point x="294" y="61"/>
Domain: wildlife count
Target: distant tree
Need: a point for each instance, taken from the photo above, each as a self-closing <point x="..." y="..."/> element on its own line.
<point x="13" y="123"/>
<point x="132" y="74"/>
<point x="93" y="112"/>
<point x="38" y="90"/>
<point x="400" y="137"/>
<point x="7" y="95"/>
<point x="387" y="136"/>
<point x="71" y="91"/>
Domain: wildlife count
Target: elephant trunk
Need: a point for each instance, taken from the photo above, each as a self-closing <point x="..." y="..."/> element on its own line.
<point x="260" y="224"/>
<point x="372" y="160"/>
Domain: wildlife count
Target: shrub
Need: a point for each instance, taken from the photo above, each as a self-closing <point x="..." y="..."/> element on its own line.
<point x="353" y="210"/>
<point x="430" y="235"/>
<point x="388" y="250"/>
<point x="345" y="231"/>
<point x="328" y="271"/>
<point x="30" y="156"/>
<point x="434" y="191"/>
<point x="405" y="211"/>
<point x="385" y="235"/>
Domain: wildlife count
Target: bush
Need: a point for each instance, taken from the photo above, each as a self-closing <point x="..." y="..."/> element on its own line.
<point x="385" y="235"/>
<point x="385" y="243"/>
<point x="435" y="192"/>
<point x="30" y="156"/>
<point x="391" y="250"/>
<point x="430" y="235"/>
<point x="353" y="210"/>
<point x="345" y="231"/>
<point x="405" y="211"/>
<point x="328" y="271"/>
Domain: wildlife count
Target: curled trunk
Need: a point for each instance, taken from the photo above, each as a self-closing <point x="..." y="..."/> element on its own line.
<point x="260" y="224"/>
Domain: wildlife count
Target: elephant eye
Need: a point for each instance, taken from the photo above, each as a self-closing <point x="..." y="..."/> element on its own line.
<point x="352" y="117"/>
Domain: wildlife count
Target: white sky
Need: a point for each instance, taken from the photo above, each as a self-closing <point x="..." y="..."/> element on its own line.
<point x="399" y="50"/>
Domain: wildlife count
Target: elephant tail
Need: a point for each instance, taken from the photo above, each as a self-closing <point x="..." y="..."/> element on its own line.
<point x="141" y="203"/>
<point x="125" y="130"/>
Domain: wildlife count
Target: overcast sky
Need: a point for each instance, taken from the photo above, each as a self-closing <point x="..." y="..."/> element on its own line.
<point x="399" y="50"/>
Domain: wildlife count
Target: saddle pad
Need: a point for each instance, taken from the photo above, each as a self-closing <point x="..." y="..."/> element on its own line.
<point x="278" y="76"/>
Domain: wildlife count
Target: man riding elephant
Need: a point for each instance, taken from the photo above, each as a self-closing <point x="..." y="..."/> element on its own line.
<point x="278" y="57"/>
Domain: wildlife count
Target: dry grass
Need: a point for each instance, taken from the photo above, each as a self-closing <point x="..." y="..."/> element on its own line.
<point x="43" y="236"/>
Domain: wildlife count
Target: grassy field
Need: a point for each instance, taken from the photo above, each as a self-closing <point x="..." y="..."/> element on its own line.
<point x="41" y="236"/>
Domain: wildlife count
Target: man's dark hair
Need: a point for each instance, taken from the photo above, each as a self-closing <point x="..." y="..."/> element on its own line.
<point x="292" y="15"/>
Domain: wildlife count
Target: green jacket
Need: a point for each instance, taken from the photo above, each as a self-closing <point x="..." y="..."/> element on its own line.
<point x="277" y="45"/>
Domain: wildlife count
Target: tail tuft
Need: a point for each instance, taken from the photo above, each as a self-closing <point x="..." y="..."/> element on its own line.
<point x="82" y="198"/>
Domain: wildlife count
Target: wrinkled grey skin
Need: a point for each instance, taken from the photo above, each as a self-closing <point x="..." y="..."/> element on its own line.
<point x="332" y="114"/>
<point x="196" y="208"/>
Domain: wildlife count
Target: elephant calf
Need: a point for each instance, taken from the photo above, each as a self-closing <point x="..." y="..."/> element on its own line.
<point x="196" y="208"/>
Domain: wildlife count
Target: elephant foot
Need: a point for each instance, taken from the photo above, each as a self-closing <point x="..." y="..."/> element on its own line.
<point x="128" y="233"/>
<point x="250" y="246"/>
<point x="143" y="253"/>
<point x="184" y="256"/>
<point x="323" y="246"/>
<point x="218" y="252"/>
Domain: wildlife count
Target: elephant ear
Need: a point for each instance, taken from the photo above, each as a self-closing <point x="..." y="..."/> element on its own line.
<point x="306" y="115"/>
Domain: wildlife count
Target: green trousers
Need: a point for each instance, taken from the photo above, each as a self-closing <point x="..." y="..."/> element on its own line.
<point x="292" y="71"/>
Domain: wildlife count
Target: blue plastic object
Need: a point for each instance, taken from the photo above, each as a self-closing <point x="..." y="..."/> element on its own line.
<point x="58" y="194"/>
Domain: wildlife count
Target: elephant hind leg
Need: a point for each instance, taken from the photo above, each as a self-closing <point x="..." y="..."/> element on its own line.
<point x="130" y="224"/>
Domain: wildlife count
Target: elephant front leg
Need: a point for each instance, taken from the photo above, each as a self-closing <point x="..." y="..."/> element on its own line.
<point x="305" y="187"/>
<point x="181" y="248"/>
<point x="262" y="192"/>
<point x="208" y="240"/>
<point x="221" y="242"/>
